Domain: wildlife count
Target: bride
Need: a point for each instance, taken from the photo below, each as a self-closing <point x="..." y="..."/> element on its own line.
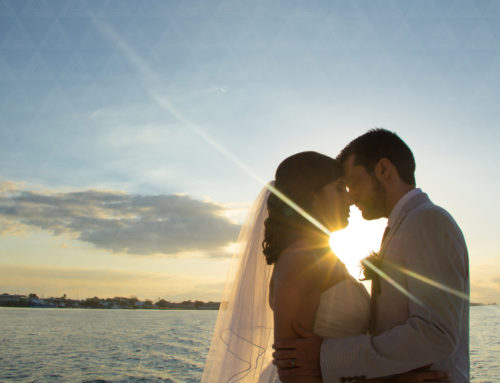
<point x="283" y="272"/>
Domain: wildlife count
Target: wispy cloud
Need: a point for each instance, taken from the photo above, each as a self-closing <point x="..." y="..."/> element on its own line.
<point x="121" y="222"/>
<point x="8" y="186"/>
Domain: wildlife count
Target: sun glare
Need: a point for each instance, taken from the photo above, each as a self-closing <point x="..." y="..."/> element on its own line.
<point x="357" y="240"/>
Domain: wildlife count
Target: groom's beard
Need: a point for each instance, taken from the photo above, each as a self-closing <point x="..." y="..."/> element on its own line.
<point x="374" y="207"/>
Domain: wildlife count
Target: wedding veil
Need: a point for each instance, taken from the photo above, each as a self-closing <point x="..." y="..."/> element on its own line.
<point x="241" y="344"/>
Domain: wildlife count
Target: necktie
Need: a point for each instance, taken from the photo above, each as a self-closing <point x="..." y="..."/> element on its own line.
<point x="376" y="290"/>
<point x="376" y="280"/>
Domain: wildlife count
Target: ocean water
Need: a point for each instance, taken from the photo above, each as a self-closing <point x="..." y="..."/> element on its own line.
<point x="485" y="344"/>
<point x="71" y="345"/>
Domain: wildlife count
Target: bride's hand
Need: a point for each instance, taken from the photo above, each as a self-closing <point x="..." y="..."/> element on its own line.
<point x="298" y="357"/>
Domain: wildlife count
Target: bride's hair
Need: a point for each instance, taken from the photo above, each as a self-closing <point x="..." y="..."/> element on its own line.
<point x="299" y="177"/>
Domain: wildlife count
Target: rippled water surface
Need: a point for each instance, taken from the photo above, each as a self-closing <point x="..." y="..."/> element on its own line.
<point x="70" y="345"/>
<point x="485" y="344"/>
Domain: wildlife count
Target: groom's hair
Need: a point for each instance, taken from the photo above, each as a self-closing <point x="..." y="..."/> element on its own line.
<point x="371" y="147"/>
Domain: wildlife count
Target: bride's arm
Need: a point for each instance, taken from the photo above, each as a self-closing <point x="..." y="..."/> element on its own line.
<point x="296" y="293"/>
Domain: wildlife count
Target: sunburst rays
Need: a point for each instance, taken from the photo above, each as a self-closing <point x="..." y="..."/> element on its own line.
<point x="151" y="80"/>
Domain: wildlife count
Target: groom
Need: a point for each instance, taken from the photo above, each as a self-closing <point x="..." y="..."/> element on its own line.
<point x="420" y="308"/>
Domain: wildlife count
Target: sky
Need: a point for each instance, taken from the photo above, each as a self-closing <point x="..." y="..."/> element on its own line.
<point x="134" y="135"/>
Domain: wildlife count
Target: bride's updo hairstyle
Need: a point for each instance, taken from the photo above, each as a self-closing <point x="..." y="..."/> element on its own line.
<point x="299" y="177"/>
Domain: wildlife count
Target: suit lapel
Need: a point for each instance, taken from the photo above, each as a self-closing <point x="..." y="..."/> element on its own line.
<point x="409" y="206"/>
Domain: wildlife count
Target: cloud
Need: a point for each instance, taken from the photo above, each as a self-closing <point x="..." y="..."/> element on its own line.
<point x="7" y="186"/>
<point x="123" y="223"/>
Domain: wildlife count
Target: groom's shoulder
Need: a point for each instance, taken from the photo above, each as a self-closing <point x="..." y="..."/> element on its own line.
<point x="428" y="215"/>
<point x="428" y="208"/>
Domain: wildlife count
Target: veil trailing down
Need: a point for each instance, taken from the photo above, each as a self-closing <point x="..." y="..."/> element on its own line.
<point x="241" y="344"/>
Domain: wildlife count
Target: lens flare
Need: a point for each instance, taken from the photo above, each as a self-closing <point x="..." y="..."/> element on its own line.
<point x="152" y="80"/>
<point x="429" y="281"/>
<point x="393" y="282"/>
<point x="150" y="77"/>
<point x="357" y="240"/>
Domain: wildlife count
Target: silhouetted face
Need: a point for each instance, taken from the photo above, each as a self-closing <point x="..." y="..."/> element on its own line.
<point x="365" y="190"/>
<point x="332" y="205"/>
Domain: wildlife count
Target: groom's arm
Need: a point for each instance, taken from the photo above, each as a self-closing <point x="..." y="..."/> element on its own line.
<point x="435" y="249"/>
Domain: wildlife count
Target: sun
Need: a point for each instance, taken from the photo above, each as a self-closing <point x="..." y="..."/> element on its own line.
<point x="357" y="240"/>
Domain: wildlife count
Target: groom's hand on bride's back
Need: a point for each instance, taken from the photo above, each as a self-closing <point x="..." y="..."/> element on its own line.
<point x="300" y="356"/>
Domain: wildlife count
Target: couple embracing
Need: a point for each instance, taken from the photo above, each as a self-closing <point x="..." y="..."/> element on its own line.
<point x="286" y="289"/>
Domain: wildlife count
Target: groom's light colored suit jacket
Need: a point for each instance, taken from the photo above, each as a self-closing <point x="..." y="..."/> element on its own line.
<point x="424" y="253"/>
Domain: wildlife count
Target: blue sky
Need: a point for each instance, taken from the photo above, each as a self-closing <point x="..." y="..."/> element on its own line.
<point x="80" y="103"/>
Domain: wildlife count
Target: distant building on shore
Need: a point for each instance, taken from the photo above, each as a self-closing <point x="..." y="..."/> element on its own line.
<point x="6" y="299"/>
<point x="32" y="300"/>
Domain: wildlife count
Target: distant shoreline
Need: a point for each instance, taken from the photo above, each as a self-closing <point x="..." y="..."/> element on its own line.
<point x="32" y="300"/>
<point x="117" y="303"/>
<point x="163" y="308"/>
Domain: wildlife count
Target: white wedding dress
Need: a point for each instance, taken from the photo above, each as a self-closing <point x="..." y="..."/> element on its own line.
<point x="241" y="345"/>
<point x="343" y="310"/>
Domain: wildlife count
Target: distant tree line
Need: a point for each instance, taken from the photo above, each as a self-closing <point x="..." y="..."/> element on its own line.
<point x="32" y="300"/>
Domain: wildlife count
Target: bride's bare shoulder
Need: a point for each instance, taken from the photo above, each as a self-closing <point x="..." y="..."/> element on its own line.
<point x="297" y="265"/>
